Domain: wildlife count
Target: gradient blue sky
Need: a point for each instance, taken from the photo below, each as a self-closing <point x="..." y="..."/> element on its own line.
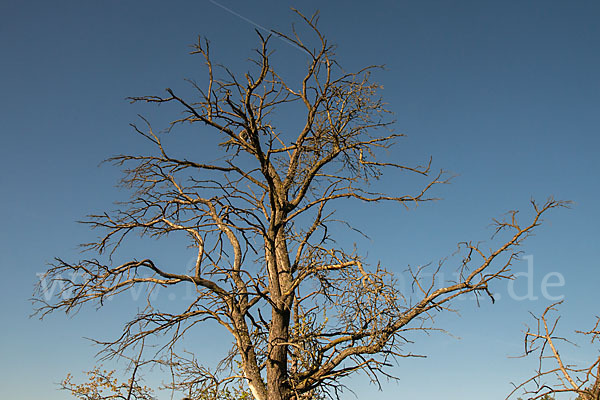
<point x="504" y="94"/>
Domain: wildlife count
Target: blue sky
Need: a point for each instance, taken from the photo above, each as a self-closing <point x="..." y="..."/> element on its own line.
<point x="504" y="94"/>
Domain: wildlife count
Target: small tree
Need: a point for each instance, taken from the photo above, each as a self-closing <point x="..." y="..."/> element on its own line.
<point x="302" y="311"/>
<point x="555" y="374"/>
<point x="104" y="385"/>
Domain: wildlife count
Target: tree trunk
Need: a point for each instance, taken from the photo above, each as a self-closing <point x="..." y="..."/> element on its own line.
<point x="278" y="387"/>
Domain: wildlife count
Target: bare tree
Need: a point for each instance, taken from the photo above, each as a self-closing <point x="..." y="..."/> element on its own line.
<point x="554" y="374"/>
<point x="303" y="311"/>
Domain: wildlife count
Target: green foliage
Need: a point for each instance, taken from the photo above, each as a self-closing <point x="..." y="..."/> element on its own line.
<point x="103" y="385"/>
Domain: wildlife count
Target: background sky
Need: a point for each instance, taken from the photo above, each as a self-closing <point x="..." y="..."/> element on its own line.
<point x="504" y="94"/>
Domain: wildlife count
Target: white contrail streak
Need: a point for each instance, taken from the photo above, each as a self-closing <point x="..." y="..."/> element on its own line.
<point x="258" y="26"/>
